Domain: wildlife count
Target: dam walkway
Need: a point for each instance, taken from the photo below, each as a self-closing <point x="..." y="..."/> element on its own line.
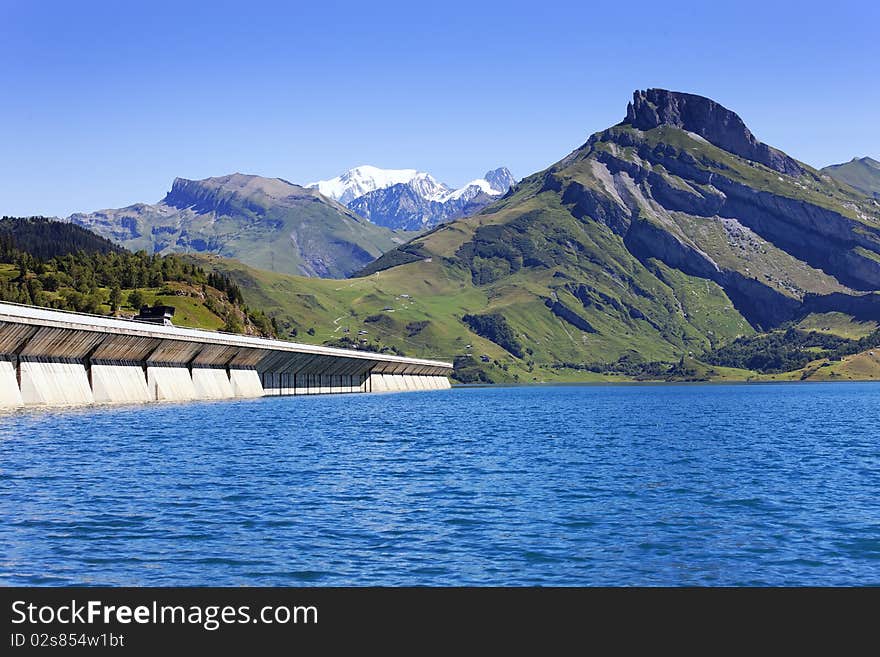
<point x="52" y="357"/>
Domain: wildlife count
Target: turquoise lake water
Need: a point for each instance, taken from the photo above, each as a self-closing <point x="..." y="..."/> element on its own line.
<point x="575" y="485"/>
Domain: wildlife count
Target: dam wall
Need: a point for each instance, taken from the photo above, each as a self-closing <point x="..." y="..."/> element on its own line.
<point x="406" y="382"/>
<point x="10" y="393"/>
<point x="212" y="383"/>
<point x="119" y="381"/>
<point x="54" y="382"/>
<point x="54" y="358"/>
<point x="169" y="382"/>
<point x="245" y="383"/>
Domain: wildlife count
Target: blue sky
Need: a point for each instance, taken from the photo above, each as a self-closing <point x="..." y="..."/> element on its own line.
<point x="102" y="104"/>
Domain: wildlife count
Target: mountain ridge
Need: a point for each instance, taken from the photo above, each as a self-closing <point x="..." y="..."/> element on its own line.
<point x="267" y="222"/>
<point x="860" y="173"/>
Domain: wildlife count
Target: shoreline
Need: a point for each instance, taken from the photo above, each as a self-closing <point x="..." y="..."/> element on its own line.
<point x="560" y="384"/>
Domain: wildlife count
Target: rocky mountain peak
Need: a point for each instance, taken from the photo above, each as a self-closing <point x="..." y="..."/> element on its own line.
<point x="500" y="179"/>
<point x="705" y="117"/>
<point x="187" y="193"/>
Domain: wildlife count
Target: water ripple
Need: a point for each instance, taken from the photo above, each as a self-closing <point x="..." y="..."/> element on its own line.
<point x="650" y="485"/>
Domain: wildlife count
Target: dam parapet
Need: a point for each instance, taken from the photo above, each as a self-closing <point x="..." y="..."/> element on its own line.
<point x="52" y="357"/>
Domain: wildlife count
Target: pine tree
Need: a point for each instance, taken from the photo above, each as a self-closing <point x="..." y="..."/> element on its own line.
<point x="136" y="299"/>
<point x="115" y="298"/>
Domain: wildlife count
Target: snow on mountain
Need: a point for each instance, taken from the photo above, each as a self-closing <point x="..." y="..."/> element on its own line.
<point x="366" y="178"/>
<point x="500" y="180"/>
<point x="494" y="183"/>
<point x="470" y="190"/>
<point x="362" y="180"/>
<point x="418" y="201"/>
<point x="267" y="223"/>
<point x="426" y="186"/>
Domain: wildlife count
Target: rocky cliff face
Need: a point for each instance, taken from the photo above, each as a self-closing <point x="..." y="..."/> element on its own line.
<point x="839" y="240"/>
<point x="655" y="107"/>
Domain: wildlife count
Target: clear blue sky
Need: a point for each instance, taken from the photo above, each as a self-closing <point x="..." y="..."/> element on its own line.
<point x="102" y="104"/>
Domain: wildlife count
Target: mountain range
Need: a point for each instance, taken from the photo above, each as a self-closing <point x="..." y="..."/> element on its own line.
<point x="668" y="235"/>
<point x="273" y="224"/>
<point x="408" y="199"/>
<point x="673" y="234"/>
<point x="266" y="222"/>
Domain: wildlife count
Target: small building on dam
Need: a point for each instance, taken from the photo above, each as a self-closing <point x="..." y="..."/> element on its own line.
<point x="52" y="357"/>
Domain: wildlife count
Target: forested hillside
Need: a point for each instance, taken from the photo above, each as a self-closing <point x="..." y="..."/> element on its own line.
<point x="56" y="265"/>
<point x="45" y="238"/>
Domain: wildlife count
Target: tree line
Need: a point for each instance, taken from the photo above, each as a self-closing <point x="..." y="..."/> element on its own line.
<point x="69" y="268"/>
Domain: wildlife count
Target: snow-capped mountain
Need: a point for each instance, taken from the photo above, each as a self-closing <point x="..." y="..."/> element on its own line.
<point x="500" y="180"/>
<point x="410" y="199"/>
<point x="494" y="183"/>
<point x="364" y="179"/>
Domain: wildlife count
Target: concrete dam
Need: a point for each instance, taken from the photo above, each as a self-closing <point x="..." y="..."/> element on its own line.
<point x="52" y="357"/>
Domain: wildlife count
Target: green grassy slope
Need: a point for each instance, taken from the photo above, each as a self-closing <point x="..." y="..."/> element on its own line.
<point x="837" y="323"/>
<point x="407" y="311"/>
<point x="862" y="174"/>
<point x="418" y="310"/>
